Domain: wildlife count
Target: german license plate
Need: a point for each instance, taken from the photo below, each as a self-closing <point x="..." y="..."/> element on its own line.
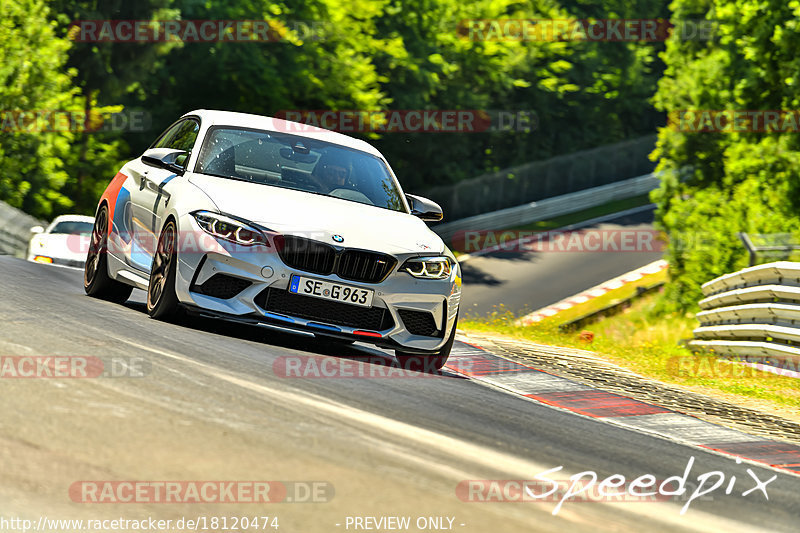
<point x="331" y="291"/>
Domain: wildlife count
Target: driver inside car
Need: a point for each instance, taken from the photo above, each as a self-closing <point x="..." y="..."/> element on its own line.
<point x="330" y="175"/>
<point x="335" y="176"/>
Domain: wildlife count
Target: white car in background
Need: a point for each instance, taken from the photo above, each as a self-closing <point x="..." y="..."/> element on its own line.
<point x="64" y="242"/>
<point x="264" y="221"/>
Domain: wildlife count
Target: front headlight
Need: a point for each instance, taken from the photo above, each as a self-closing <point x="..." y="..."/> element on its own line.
<point x="229" y="229"/>
<point x="428" y="267"/>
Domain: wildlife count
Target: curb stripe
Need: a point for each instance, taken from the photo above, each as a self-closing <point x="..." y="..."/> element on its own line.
<point x="597" y="404"/>
<point x="535" y="382"/>
<point x="773" y="453"/>
<point x="485" y="367"/>
<point x="594" y="292"/>
<point x="688" y="429"/>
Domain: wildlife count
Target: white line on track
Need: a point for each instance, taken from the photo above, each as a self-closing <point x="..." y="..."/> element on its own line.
<point x="664" y="513"/>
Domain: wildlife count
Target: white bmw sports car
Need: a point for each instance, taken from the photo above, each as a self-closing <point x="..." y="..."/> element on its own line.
<point x="264" y="221"/>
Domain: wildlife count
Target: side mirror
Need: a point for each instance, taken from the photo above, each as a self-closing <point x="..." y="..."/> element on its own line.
<point x="167" y="158"/>
<point x="37" y="229"/>
<point x="427" y="210"/>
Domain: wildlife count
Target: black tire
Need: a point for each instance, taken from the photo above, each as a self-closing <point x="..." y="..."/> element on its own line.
<point x="162" y="302"/>
<point x="427" y="362"/>
<point x="96" y="281"/>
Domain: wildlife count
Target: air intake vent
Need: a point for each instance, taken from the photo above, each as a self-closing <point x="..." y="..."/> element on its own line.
<point x="419" y="322"/>
<point x="310" y="308"/>
<point x="222" y="286"/>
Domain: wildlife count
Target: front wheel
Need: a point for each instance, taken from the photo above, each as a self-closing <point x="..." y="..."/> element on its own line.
<point x="162" y="302"/>
<point x="96" y="281"/>
<point x="427" y="363"/>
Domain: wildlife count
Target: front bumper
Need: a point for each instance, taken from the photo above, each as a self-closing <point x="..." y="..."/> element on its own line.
<point x="250" y="285"/>
<point x="59" y="261"/>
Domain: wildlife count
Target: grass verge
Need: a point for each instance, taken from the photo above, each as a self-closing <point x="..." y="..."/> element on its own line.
<point x="580" y="216"/>
<point x="649" y="345"/>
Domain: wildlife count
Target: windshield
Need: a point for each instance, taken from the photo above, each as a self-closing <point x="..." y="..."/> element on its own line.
<point x="299" y="163"/>
<point x="73" y="228"/>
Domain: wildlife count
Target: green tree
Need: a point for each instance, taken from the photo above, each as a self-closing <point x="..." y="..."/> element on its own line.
<point x="716" y="184"/>
<point x="32" y="78"/>
<point x="370" y="55"/>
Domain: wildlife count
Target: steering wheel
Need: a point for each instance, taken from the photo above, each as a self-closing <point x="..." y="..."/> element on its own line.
<point x="290" y="175"/>
<point x="351" y="194"/>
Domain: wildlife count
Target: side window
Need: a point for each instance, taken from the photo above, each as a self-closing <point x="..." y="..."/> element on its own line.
<point x="180" y="136"/>
<point x="184" y="136"/>
<point x="165" y="137"/>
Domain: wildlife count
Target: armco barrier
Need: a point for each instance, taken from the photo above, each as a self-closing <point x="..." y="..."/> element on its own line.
<point x="551" y="207"/>
<point x="15" y="230"/>
<point x="542" y="179"/>
<point x="753" y="314"/>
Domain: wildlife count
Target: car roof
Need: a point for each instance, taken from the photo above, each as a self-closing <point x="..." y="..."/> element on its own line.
<point x="73" y="218"/>
<point x="246" y="120"/>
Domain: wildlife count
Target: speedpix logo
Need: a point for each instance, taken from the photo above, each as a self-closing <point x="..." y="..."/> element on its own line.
<point x="588" y="487"/>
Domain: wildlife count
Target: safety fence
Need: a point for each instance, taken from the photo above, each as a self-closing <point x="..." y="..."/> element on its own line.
<point x="535" y="181"/>
<point x="550" y="207"/>
<point x="753" y="314"/>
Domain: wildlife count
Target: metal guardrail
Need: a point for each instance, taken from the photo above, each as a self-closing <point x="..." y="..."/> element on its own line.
<point x="772" y="245"/>
<point x="15" y="230"/>
<point x="551" y="207"/>
<point x="541" y="179"/>
<point x="753" y="314"/>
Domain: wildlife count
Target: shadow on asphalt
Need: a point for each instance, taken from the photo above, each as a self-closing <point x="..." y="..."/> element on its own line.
<point x="472" y="275"/>
<point x="313" y="345"/>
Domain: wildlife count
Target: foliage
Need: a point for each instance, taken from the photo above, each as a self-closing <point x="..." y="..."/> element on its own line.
<point x="42" y="156"/>
<point x="363" y="55"/>
<point x="647" y="341"/>
<point x="717" y="184"/>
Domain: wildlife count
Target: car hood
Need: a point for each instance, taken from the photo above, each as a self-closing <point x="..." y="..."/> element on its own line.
<point x="320" y="217"/>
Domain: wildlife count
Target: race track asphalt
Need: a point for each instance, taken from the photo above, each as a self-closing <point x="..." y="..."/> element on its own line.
<point x="211" y="403"/>
<point x="523" y="281"/>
